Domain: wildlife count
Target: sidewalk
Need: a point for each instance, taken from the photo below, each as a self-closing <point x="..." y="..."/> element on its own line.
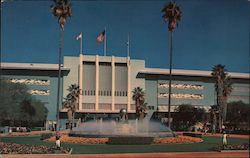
<point x="32" y="133"/>
<point x="219" y="135"/>
<point x="143" y="155"/>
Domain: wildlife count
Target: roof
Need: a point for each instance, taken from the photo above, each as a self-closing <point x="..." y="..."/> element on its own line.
<point x="32" y="66"/>
<point x="179" y="72"/>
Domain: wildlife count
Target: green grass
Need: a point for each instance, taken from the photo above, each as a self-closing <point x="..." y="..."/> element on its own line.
<point x="205" y="146"/>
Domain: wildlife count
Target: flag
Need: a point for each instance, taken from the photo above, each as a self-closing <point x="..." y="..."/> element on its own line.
<point x="100" y="38"/>
<point x="79" y="36"/>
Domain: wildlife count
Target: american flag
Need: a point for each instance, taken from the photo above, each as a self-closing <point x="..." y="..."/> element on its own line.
<point x="100" y="38"/>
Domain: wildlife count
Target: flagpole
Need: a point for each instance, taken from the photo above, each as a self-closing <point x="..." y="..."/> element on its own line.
<point x="81" y="44"/>
<point x="128" y="43"/>
<point x="105" y="42"/>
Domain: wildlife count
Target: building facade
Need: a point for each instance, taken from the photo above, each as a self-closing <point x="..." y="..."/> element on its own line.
<point x="41" y="80"/>
<point x="106" y="84"/>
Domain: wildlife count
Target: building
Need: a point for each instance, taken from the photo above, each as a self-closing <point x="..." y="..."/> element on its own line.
<point x="107" y="83"/>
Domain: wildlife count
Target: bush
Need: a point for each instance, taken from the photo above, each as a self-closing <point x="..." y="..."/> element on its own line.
<point x="130" y="140"/>
<point x="231" y="147"/>
<point x="197" y="135"/>
<point x="37" y="128"/>
<point x="46" y="136"/>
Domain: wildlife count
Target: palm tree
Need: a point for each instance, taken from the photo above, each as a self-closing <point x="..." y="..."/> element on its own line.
<point x="227" y="89"/>
<point x="71" y="102"/>
<point x="139" y="98"/>
<point x="61" y="9"/>
<point x="223" y="88"/>
<point x="171" y="14"/>
<point x="213" y="117"/>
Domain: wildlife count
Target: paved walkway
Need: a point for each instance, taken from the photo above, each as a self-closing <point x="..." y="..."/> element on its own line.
<point x="220" y="135"/>
<point x="244" y="154"/>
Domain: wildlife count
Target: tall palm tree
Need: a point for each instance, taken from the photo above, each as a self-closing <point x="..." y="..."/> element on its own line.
<point x="61" y="9"/>
<point x="223" y="88"/>
<point x="139" y="98"/>
<point x="227" y="89"/>
<point x="213" y="117"/>
<point x="171" y="14"/>
<point x="71" y="102"/>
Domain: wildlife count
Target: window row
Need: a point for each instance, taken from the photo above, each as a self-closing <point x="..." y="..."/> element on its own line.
<point x="241" y="89"/>
<point x="181" y="86"/>
<point x="38" y="92"/>
<point x="182" y="96"/>
<point x="104" y="93"/>
<point x="31" y="81"/>
<point x="107" y="106"/>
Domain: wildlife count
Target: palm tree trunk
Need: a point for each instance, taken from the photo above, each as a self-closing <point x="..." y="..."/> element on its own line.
<point x="73" y="119"/>
<point x="136" y="108"/>
<point x="224" y="108"/>
<point x="70" y="118"/>
<point x="59" y="79"/>
<point x="170" y="80"/>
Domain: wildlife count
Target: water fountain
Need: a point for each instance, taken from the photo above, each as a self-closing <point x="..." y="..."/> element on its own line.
<point x="121" y="128"/>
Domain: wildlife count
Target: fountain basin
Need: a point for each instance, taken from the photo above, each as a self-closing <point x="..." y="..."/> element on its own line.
<point x="126" y="129"/>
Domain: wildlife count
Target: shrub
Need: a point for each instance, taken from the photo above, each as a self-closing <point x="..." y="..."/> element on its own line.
<point x="130" y="140"/>
<point x="197" y="135"/>
<point x="46" y="136"/>
<point x="231" y="147"/>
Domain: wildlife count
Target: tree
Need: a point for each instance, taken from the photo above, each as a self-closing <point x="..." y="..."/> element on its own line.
<point x="223" y="88"/>
<point x="238" y="114"/>
<point x="171" y="14"/>
<point x="227" y="89"/>
<point x="11" y="95"/>
<point x="139" y="98"/>
<point x="61" y="9"/>
<point x="28" y="110"/>
<point x="18" y="106"/>
<point x="186" y="116"/>
<point x="71" y="102"/>
<point x="213" y="117"/>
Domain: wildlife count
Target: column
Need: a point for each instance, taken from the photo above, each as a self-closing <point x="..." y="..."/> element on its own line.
<point x="97" y="83"/>
<point x="80" y="81"/>
<point x="113" y="83"/>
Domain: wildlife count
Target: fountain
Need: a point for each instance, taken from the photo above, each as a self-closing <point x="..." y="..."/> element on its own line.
<point x="121" y="128"/>
<point x="122" y="131"/>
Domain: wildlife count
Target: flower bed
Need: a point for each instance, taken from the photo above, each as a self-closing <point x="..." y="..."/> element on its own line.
<point x="79" y="140"/>
<point x="167" y="140"/>
<point x="12" y="148"/>
<point x="177" y="140"/>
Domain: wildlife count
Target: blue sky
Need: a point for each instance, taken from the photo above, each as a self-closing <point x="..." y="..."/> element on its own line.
<point x="210" y="32"/>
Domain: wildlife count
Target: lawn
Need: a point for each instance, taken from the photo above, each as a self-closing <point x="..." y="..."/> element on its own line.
<point x="98" y="149"/>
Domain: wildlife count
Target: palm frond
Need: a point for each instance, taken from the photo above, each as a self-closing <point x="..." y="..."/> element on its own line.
<point x="171" y="14"/>
<point x="61" y="9"/>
